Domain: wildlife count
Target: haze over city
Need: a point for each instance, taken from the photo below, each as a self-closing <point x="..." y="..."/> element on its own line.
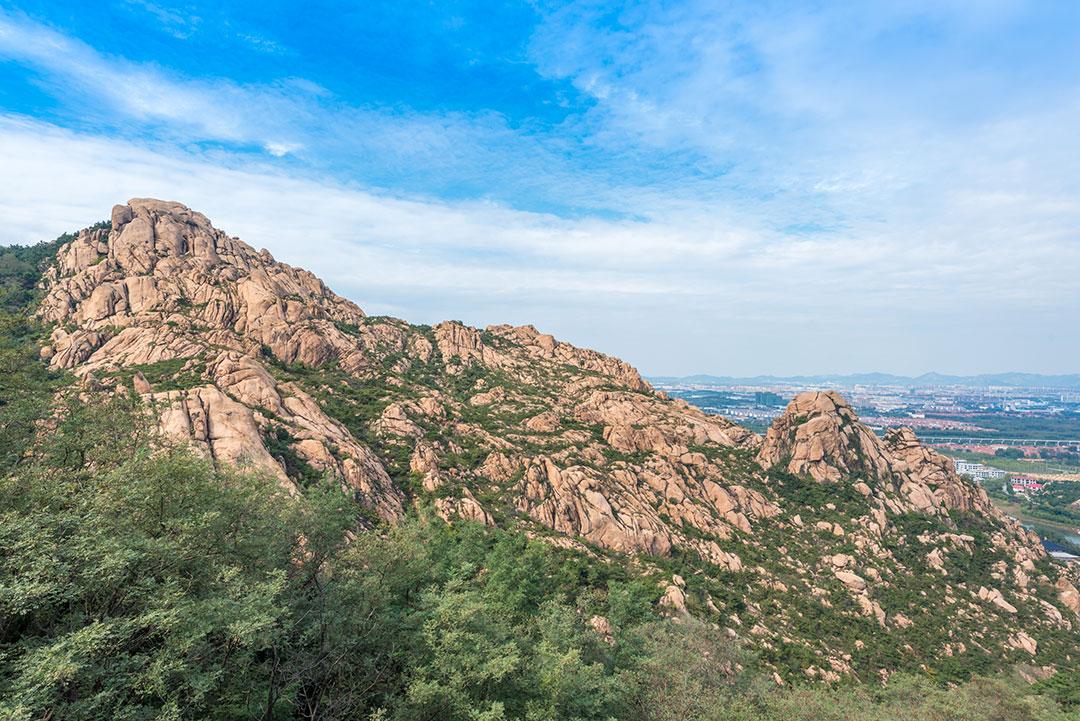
<point x="759" y="188"/>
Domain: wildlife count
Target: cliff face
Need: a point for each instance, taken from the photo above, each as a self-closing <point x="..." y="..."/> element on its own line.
<point x="259" y="363"/>
<point x="166" y="291"/>
<point x="820" y="436"/>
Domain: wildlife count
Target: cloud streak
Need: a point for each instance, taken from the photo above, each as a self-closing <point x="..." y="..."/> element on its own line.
<point x="783" y="190"/>
<point x="428" y="259"/>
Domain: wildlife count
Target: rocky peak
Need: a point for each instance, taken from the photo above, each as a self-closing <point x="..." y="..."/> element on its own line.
<point x="820" y="435"/>
<point x="259" y="363"/>
<point x="163" y="289"/>
<point x="161" y="261"/>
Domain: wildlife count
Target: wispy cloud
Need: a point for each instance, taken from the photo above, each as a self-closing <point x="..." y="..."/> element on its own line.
<point x="217" y="110"/>
<point x="476" y="154"/>
<point x="180" y="23"/>
<point x="612" y="283"/>
<point x="765" y="188"/>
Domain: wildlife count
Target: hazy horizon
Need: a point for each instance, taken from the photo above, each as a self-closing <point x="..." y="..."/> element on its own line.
<point x="753" y="190"/>
<point x="1073" y="377"/>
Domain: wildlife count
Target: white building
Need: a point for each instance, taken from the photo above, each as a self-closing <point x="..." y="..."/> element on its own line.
<point x="977" y="471"/>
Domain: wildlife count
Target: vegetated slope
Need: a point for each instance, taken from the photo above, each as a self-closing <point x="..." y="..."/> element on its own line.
<point x="833" y="552"/>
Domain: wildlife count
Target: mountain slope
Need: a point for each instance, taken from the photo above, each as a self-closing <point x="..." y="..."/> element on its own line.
<point x="832" y="551"/>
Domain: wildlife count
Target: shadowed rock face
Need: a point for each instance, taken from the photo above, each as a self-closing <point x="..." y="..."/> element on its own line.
<point x="259" y="363"/>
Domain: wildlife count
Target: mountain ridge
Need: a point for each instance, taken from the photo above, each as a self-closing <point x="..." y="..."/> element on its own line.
<point x="259" y="363"/>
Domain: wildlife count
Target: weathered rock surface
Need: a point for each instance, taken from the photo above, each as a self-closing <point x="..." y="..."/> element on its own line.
<point x="165" y="285"/>
<point x="820" y="435"/>
<point x="259" y="363"/>
<point x="1068" y="595"/>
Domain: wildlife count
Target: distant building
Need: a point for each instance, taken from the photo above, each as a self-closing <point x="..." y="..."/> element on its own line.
<point x="768" y="398"/>
<point x="977" y="471"/>
<point x="1026" y="484"/>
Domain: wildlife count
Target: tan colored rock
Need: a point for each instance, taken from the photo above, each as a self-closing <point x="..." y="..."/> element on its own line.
<point x="994" y="596"/>
<point x="546" y="422"/>
<point x="572" y="501"/>
<point x="871" y="608"/>
<point x="466" y="506"/>
<point x="851" y="580"/>
<point x="1023" y="642"/>
<point x="936" y="560"/>
<point x="140" y="383"/>
<point x="674" y="600"/>
<point x="1068" y="595"/>
<point x="840" y="560"/>
<point x="820" y="435"/>
<point x="498" y="467"/>
<point x="224" y="429"/>
<point x="545" y="347"/>
<point x="485" y="399"/>
<point x="931" y="477"/>
<point x="603" y="628"/>
<point x="395" y="421"/>
<point x="1054" y="615"/>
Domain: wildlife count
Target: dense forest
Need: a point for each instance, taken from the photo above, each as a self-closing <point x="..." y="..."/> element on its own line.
<point x="140" y="581"/>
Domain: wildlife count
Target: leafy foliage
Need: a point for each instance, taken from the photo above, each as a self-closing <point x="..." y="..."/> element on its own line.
<point x="27" y="385"/>
<point x="139" y="581"/>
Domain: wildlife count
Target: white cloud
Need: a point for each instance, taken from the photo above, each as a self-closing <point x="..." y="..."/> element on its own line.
<point x="475" y="154"/>
<point x="215" y="110"/>
<point x="181" y="24"/>
<point x="771" y="222"/>
<point x="644" y="289"/>
<point x="59" y="180"/>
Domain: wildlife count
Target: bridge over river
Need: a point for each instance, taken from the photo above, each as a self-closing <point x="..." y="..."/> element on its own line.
<point x="997" y="441"/>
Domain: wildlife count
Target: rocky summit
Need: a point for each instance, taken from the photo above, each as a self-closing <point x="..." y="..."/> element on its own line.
<point x="833" y="552"/>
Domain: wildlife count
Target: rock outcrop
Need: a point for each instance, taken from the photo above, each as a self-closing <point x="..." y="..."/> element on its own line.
<point x="259" y="363"/>
<point x="165" y="289"/>
<point x="820" y="435"/>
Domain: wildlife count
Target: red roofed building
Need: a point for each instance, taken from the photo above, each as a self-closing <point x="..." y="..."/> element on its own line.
<point x="1026" y="484"/>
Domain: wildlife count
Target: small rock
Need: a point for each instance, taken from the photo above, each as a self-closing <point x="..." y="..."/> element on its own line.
<point x="141" y="384"/>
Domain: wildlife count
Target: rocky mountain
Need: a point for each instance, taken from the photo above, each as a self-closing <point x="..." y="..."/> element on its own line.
<point x="831" y="551"/>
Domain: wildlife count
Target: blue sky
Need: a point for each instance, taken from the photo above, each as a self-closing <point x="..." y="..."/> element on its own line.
<point x="734" y="188"/>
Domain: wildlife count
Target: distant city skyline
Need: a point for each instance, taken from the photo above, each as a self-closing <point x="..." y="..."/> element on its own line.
<point x="1067" y="382"/>
<point x="759" y="188"/>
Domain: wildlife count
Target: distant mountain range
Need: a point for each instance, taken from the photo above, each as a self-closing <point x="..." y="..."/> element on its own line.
<point x="1010" y="380"/>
